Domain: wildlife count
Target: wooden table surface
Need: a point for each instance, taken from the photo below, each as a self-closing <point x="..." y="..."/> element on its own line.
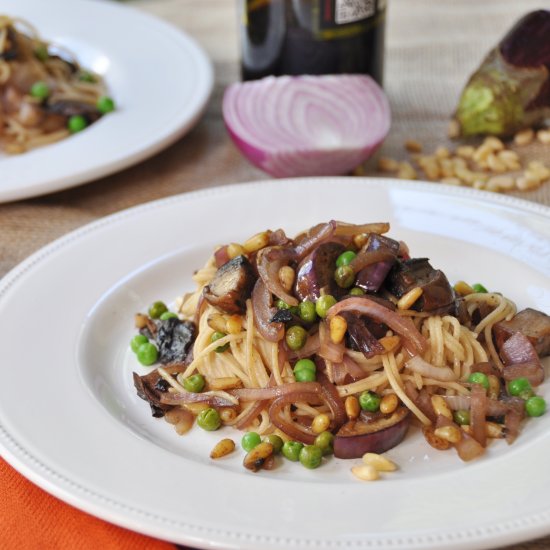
<point x="432" y="46"/>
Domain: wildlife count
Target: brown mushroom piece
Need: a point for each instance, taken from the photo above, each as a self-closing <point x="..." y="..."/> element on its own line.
<point x="231" y="286"/>
<point x="70" y="107"/>
<point x="437" y="293"/>
<point x="530" y="322"/>
<point x="150" y="387"/>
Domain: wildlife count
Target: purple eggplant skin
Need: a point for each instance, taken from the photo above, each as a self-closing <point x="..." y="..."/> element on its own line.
<point x="356" y="438"/>
<point x="511" y="88"/>
<point x="316" y="271"/>
<point x="371" y="277"/>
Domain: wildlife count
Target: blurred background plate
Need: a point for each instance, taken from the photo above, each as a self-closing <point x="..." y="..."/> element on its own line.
<point x="158" y="76"/>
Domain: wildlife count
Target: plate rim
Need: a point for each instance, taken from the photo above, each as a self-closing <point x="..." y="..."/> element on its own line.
<point x="201" y="96"/>
<point x="95" y="503"/>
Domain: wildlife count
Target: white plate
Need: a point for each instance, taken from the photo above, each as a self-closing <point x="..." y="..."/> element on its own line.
<point x="71" y="422"/>
<point x="159" y="77"/>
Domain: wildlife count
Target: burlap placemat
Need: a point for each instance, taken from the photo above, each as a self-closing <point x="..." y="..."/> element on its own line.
<point x="432" y="47"/>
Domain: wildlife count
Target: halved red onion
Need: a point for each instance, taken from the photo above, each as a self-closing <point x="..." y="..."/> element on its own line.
<point x="263" y="313"/>
<point x="307" y="125"/>
<point x="209" y="398"/>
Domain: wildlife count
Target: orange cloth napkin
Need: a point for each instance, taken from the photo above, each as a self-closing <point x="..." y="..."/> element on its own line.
<point x="31" y="519"/>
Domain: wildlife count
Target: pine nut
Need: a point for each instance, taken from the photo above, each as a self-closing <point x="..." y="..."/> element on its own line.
<point x="495" y="164"/>
<point x="527" y="182"/>
<point x="286" y="277"/>
<point x="436" y="442"/>
<point x="432" y="171"/>
<point x="447" y="167"/>
<point x="320" y="423"/>
<point x="255" y="458"/>
<point x="389" y="403"/>
<point x="365" y="472"/>
<point x="256" y="242"/>
<point x="539" y="170"/>
<point x="451" y="434"/>
<point x="459" y="163"/>
<point x="493" y="143"/>
<point x="463" y="288"/>
<point x="140" y="320"/>
<point x="216" y="321"/>
<point x="413" y="146"/>
<point x="509" y="158"/>
<point x="386" y="164"/>
<point x="182" y="420"/>
<point x="406" y="171"/>
<point x="390" y="343"/>
<point x="351" y="405"/>
<point x="223" y="448"/>
<point x="440" y="407"/>
<point x="465" y="151"/>
<point x="381" y="463"/>
<point x="234" y="324"/>
<point x="494" y="430"/>
<point x="467" y="176"/>
<point x="442" y="152"/>
<point x="234" y="250"/>
<point x="524" y="137"/>
<point x="482" y="153"/>
<point x="407" y="300"/>
<point x="494" y="387"/>
<point x="360" y="240"/>
<point x="227" y="414"/>
<point x="544" y="136"/>
<point x="337" y="328"/>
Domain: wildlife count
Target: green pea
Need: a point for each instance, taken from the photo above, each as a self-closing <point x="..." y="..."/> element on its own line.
<point x="306" y="364"/>
<point x="105" y="104"/>
<point x="535" y="406"/>
<point x="276" y="442"/>
<point x="345" y="258"/>
<point x="462" y="417"/>
<point x="305" y="375"/>
<point x="76" y="123"/>
<point x="137" y="340"/>
<point x="41" y="52"/>
<point x="478" y="287"/>
<point x="40" y="90"/>
<point x="250" y="440"/>
<point x="344" y="276"/>
<point x="194" y="383"/>
<point x="209" y="419"/>
<point x="356" y="291"/>
<point x="311" y="456"/>
<point x="291" y="450"/>
<point x="168" y="315"/>
<point x="281" y="304"/>
<point x="323" y="304"/>
<point x="296" y="337"/>
<point x="479" y="378"/>
<point x="369" y="401"/>
<point x="520" y="386"/>
<point x="147" y="354"/>
<point x="86" y="76"/>
<point x="157" y="309"/>
<point x="325" y="441"/>
<point x="216" y="336"/>
<point x="307" y="311"/>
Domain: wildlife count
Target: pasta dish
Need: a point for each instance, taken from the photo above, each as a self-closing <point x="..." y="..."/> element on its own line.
<point x="45" y="95"/>
<point x="340" y="339"/>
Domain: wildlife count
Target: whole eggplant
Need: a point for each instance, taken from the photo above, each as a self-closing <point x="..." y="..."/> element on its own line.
<point x="511" y="88"/>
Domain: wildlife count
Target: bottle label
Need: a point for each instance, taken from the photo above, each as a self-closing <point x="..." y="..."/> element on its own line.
<point x="350" y="11"/>
<point x="335" y="19"/>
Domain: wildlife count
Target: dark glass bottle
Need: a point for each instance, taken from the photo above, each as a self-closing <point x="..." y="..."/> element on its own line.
<point x="312" y="37"/>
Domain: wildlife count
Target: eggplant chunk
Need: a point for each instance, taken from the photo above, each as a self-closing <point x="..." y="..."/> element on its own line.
<point x="317" y="271"/>
<point x="231" y="286"/>
<point x="437" y="293"/>
<point x="357" y="437"/>
<point x="530" y="322"/>
<point x="370" y="278"/>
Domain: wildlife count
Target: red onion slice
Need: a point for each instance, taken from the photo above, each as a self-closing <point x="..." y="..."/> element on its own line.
<point x="307" y="125"/>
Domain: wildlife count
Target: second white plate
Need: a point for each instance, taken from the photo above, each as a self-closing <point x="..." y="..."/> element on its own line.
<point x="70" y="419"/>
<point x="159" y="77"/>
